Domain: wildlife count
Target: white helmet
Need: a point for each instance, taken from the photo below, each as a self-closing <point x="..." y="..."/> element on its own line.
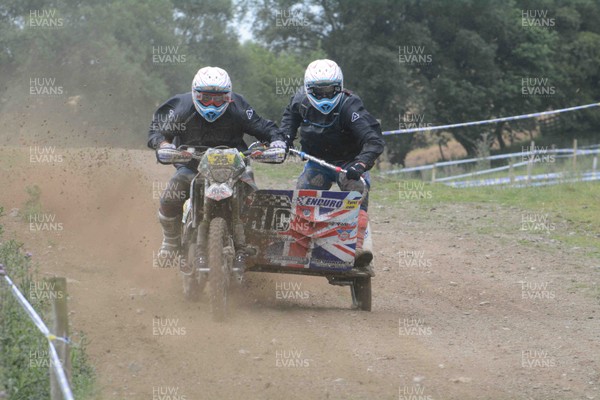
<point x="211" y="92"/>
<point x="323" y="83"/>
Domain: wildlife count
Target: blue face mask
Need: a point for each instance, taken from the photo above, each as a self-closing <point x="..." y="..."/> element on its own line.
<point x="212" y="112"/>
<point x="324" y="98"/>
<point x="329" y="125"/>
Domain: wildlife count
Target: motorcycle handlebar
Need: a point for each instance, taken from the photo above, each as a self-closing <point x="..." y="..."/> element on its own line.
<point x="324" y="163"/>
<point x="264" y="154"/>
<point x="185" y="153"/>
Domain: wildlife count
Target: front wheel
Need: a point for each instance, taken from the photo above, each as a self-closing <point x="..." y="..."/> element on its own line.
<point x="219" y="260"/>
<point x="194" y="283"/>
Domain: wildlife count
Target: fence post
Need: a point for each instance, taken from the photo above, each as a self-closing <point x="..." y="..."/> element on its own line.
<point x="433" y="173"/>
<point x="61" y="329"/>
<point x="510" y="171"/>
<point x="594" y="165"/>
<point x="530" y="161"/>
<point x="574" y="154"/>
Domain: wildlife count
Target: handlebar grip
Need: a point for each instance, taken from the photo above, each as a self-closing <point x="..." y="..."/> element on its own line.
<point x="172" y="156"/>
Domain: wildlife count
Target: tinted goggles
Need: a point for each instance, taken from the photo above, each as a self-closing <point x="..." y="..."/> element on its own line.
<point x="324" y="92"/>
<point x="211" y="98"/>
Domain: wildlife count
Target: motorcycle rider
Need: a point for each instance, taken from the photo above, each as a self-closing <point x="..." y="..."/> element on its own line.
<point x="210" y="115"/>
<point x="336" y="127"/>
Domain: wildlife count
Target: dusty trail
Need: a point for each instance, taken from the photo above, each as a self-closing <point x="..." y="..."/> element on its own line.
<point x="457" y="328"/>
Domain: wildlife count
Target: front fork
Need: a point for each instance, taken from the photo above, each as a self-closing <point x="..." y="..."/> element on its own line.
<point x="236" y="254"/>
<point x="239" y="237"/>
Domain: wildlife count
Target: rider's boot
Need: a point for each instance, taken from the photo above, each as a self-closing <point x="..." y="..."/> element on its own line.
<point x="240" y="260"/>
<point x="363" y="257"/>
<point x="170" y="247"/>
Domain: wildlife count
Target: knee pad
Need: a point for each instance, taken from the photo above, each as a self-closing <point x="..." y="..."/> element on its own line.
<point x="176" y="193"/>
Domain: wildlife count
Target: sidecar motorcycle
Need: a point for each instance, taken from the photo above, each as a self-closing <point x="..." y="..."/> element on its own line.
<point x="305" y="232"/>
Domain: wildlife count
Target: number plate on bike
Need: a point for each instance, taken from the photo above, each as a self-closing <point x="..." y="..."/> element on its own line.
<point x="221" y="159"/>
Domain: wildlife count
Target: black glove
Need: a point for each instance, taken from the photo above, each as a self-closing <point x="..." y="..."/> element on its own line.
<point x="282" y="135"/>
<point x="355" y="170"/>
<point x="279" y="144"/>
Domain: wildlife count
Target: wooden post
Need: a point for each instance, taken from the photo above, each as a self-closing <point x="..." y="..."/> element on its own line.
<point x="58" y="297"/>
<point x="594" y="165"/>
<point x="530" y="161"/>
<point x="433" y="174"/>
<point x="510" y="171"/>
<point x="574" y="154"/>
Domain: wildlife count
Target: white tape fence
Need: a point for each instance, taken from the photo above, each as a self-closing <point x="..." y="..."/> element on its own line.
<point x="491" y="121"/>
<point x="39" y="323"/>
<point x="529" y="158"/>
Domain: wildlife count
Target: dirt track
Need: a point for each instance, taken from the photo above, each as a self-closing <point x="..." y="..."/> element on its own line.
<point x="452" y="322"/>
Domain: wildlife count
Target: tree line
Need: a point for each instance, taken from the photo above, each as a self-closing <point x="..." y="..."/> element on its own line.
<point x="99" y="68"/>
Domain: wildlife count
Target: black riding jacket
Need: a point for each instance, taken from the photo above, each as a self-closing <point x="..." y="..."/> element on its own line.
<point x="178" y="122"/>
<point x="348" y="133"/>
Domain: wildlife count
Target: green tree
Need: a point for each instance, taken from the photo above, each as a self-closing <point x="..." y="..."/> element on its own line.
<point x="487" y="59"/>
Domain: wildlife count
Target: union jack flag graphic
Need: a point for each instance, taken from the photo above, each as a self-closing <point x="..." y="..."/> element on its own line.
<point x="315" y="229"/>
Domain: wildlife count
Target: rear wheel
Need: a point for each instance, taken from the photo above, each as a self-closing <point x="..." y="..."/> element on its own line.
<point x="361" y="293"/>
<point x="219" y="260"/>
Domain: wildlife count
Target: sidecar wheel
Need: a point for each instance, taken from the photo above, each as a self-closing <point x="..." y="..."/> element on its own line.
<point x="361" y="293"/>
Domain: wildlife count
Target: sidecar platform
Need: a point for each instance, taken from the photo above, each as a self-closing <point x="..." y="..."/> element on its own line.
<point x="353" y="273"/>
